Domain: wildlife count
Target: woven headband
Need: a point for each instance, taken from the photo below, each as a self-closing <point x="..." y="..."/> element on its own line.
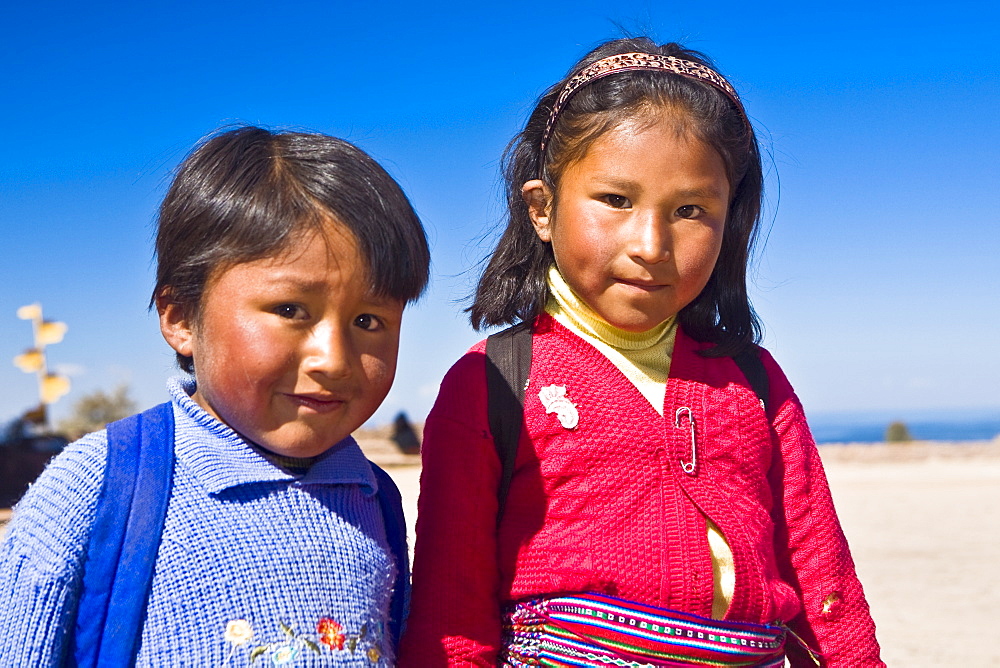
<point x="626" y="62"/>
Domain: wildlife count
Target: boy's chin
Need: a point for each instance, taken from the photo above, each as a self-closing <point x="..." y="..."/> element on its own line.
<point x="309" y="446"/>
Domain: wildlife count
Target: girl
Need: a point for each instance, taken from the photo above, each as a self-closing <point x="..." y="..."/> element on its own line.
<point x="284" y="262"/>
<point x="658" y="512"/>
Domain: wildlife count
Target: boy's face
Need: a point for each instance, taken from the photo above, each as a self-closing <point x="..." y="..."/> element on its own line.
<point x="292" y="351"/>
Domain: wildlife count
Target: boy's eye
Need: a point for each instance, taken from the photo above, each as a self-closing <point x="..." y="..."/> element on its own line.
<point x="689" y="211"/>
<point x="289" y="311"/>
<point x="368" y="322"/>
<point x="617" y="201"/>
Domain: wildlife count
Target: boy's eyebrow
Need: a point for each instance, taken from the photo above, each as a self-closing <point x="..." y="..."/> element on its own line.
<point x="612" y="181"/>
<point x="306" y="285"/>
<point x="320" y="285"/>
<point x="383" y="302"/>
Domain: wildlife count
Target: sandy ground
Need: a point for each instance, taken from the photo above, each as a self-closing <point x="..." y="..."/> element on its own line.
<point x="925" y="534"/>
<point x="923" y="521"/>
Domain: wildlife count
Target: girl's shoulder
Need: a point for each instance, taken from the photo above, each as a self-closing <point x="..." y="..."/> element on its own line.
<point x="51" y="522"/>
<point x="468" y="374"/>
<point x="781" y="390"/>
<point x="470" y="367"/>
<point x="690" y="362"/>
<point x="462" y="393"/>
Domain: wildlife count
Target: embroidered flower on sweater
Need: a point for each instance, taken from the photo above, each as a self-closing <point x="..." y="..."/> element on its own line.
<point x="238" y="631"/>
<point x="329" y="633"/>
<point x="285" y="651"/>
<point x="554" y="399"/>
<point x="284" y="655"/>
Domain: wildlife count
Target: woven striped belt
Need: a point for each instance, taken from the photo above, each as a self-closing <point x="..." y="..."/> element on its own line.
<point x="599" y="630"/>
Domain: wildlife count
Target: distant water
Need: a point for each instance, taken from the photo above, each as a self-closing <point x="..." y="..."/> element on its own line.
<point x="866" y="429"/>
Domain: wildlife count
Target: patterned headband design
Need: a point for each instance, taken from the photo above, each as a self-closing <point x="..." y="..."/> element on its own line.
<point x="626" y="62"/>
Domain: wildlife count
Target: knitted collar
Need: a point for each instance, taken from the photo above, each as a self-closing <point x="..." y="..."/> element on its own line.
<point x="219" y="458"/>
<point x="573" y="313"/>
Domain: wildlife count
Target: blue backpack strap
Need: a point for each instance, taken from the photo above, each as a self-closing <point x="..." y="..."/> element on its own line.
<point x="122" y="550"/>
<point x="391" y="504"/>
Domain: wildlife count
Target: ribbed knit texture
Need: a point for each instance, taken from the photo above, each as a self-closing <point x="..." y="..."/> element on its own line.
<point x="243" y="540"/>
<point x="607" y="508"/>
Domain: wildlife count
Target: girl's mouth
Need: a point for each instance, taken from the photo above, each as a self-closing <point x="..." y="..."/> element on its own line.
<point x="646" y="286"/>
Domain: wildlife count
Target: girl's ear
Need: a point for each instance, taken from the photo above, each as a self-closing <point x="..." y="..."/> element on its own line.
<point x="175" y="324"/>
<point x="539" y="200"/>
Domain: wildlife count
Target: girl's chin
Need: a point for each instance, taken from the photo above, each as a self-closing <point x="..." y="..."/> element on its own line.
<point x="634" y="323"/>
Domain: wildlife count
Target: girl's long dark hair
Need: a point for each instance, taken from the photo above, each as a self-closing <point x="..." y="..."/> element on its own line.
<point x="513" y="286"/>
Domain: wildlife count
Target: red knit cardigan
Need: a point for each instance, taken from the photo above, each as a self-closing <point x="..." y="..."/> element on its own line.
<point x="606" y="507"/>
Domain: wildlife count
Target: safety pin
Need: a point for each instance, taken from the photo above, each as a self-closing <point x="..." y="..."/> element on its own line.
<point x="691" y="466"/>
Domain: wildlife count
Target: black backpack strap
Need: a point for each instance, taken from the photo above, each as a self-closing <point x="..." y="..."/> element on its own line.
<point x="121" y="553"/>
<point x="391" y="504"/>
<point x="508" y="362"/>
<point x="752" y="367"/>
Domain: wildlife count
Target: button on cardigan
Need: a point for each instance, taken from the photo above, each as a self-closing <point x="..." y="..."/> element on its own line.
<point x="253" y="559"/>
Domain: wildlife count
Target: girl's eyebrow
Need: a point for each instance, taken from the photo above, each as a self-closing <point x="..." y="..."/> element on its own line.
<point x="707" y="192"/>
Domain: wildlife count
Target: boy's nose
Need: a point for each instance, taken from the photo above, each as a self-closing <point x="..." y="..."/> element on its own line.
<point x="328" y="352"/>
<point x="649" y="238"/>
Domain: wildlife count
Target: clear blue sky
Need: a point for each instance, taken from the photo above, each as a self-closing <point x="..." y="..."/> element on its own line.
<point x="878" y="284"/>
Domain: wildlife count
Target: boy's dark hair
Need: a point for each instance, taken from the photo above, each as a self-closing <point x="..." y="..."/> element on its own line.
<point x="513" y="286"/>
<point x="246" y="193"/>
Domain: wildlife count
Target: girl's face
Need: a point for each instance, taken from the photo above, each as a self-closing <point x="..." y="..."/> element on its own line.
<point x="292" y="351"/>
<point x="638" y="220"/>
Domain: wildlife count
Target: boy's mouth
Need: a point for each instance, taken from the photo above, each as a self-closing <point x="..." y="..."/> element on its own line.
<point x="320" y="403"/>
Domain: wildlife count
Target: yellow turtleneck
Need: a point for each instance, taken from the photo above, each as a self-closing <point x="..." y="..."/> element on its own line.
<point x="644" y="358"/>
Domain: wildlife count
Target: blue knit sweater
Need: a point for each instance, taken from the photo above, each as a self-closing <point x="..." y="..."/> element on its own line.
<point x="257" y="566"/>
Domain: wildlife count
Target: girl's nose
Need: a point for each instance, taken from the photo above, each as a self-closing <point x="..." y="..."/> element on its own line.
<point x="649" y="238"/>
<point x="328" y="352"/>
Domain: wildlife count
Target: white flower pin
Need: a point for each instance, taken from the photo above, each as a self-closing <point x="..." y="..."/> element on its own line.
<point x="555" y="401"/>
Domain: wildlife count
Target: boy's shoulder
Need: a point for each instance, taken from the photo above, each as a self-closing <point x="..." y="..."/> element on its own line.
<point x="51" y="522"/>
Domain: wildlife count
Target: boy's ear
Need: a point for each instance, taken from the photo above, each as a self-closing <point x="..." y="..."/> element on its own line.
<point x="175" y="324"/>
<point x="539" y="200"/>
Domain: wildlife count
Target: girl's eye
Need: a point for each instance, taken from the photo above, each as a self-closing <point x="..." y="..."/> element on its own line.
<point x="689" y="211"/>
<point x="368" y="322"/>
<point x="617" y="201"/>
<point x="290" y="311"/>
